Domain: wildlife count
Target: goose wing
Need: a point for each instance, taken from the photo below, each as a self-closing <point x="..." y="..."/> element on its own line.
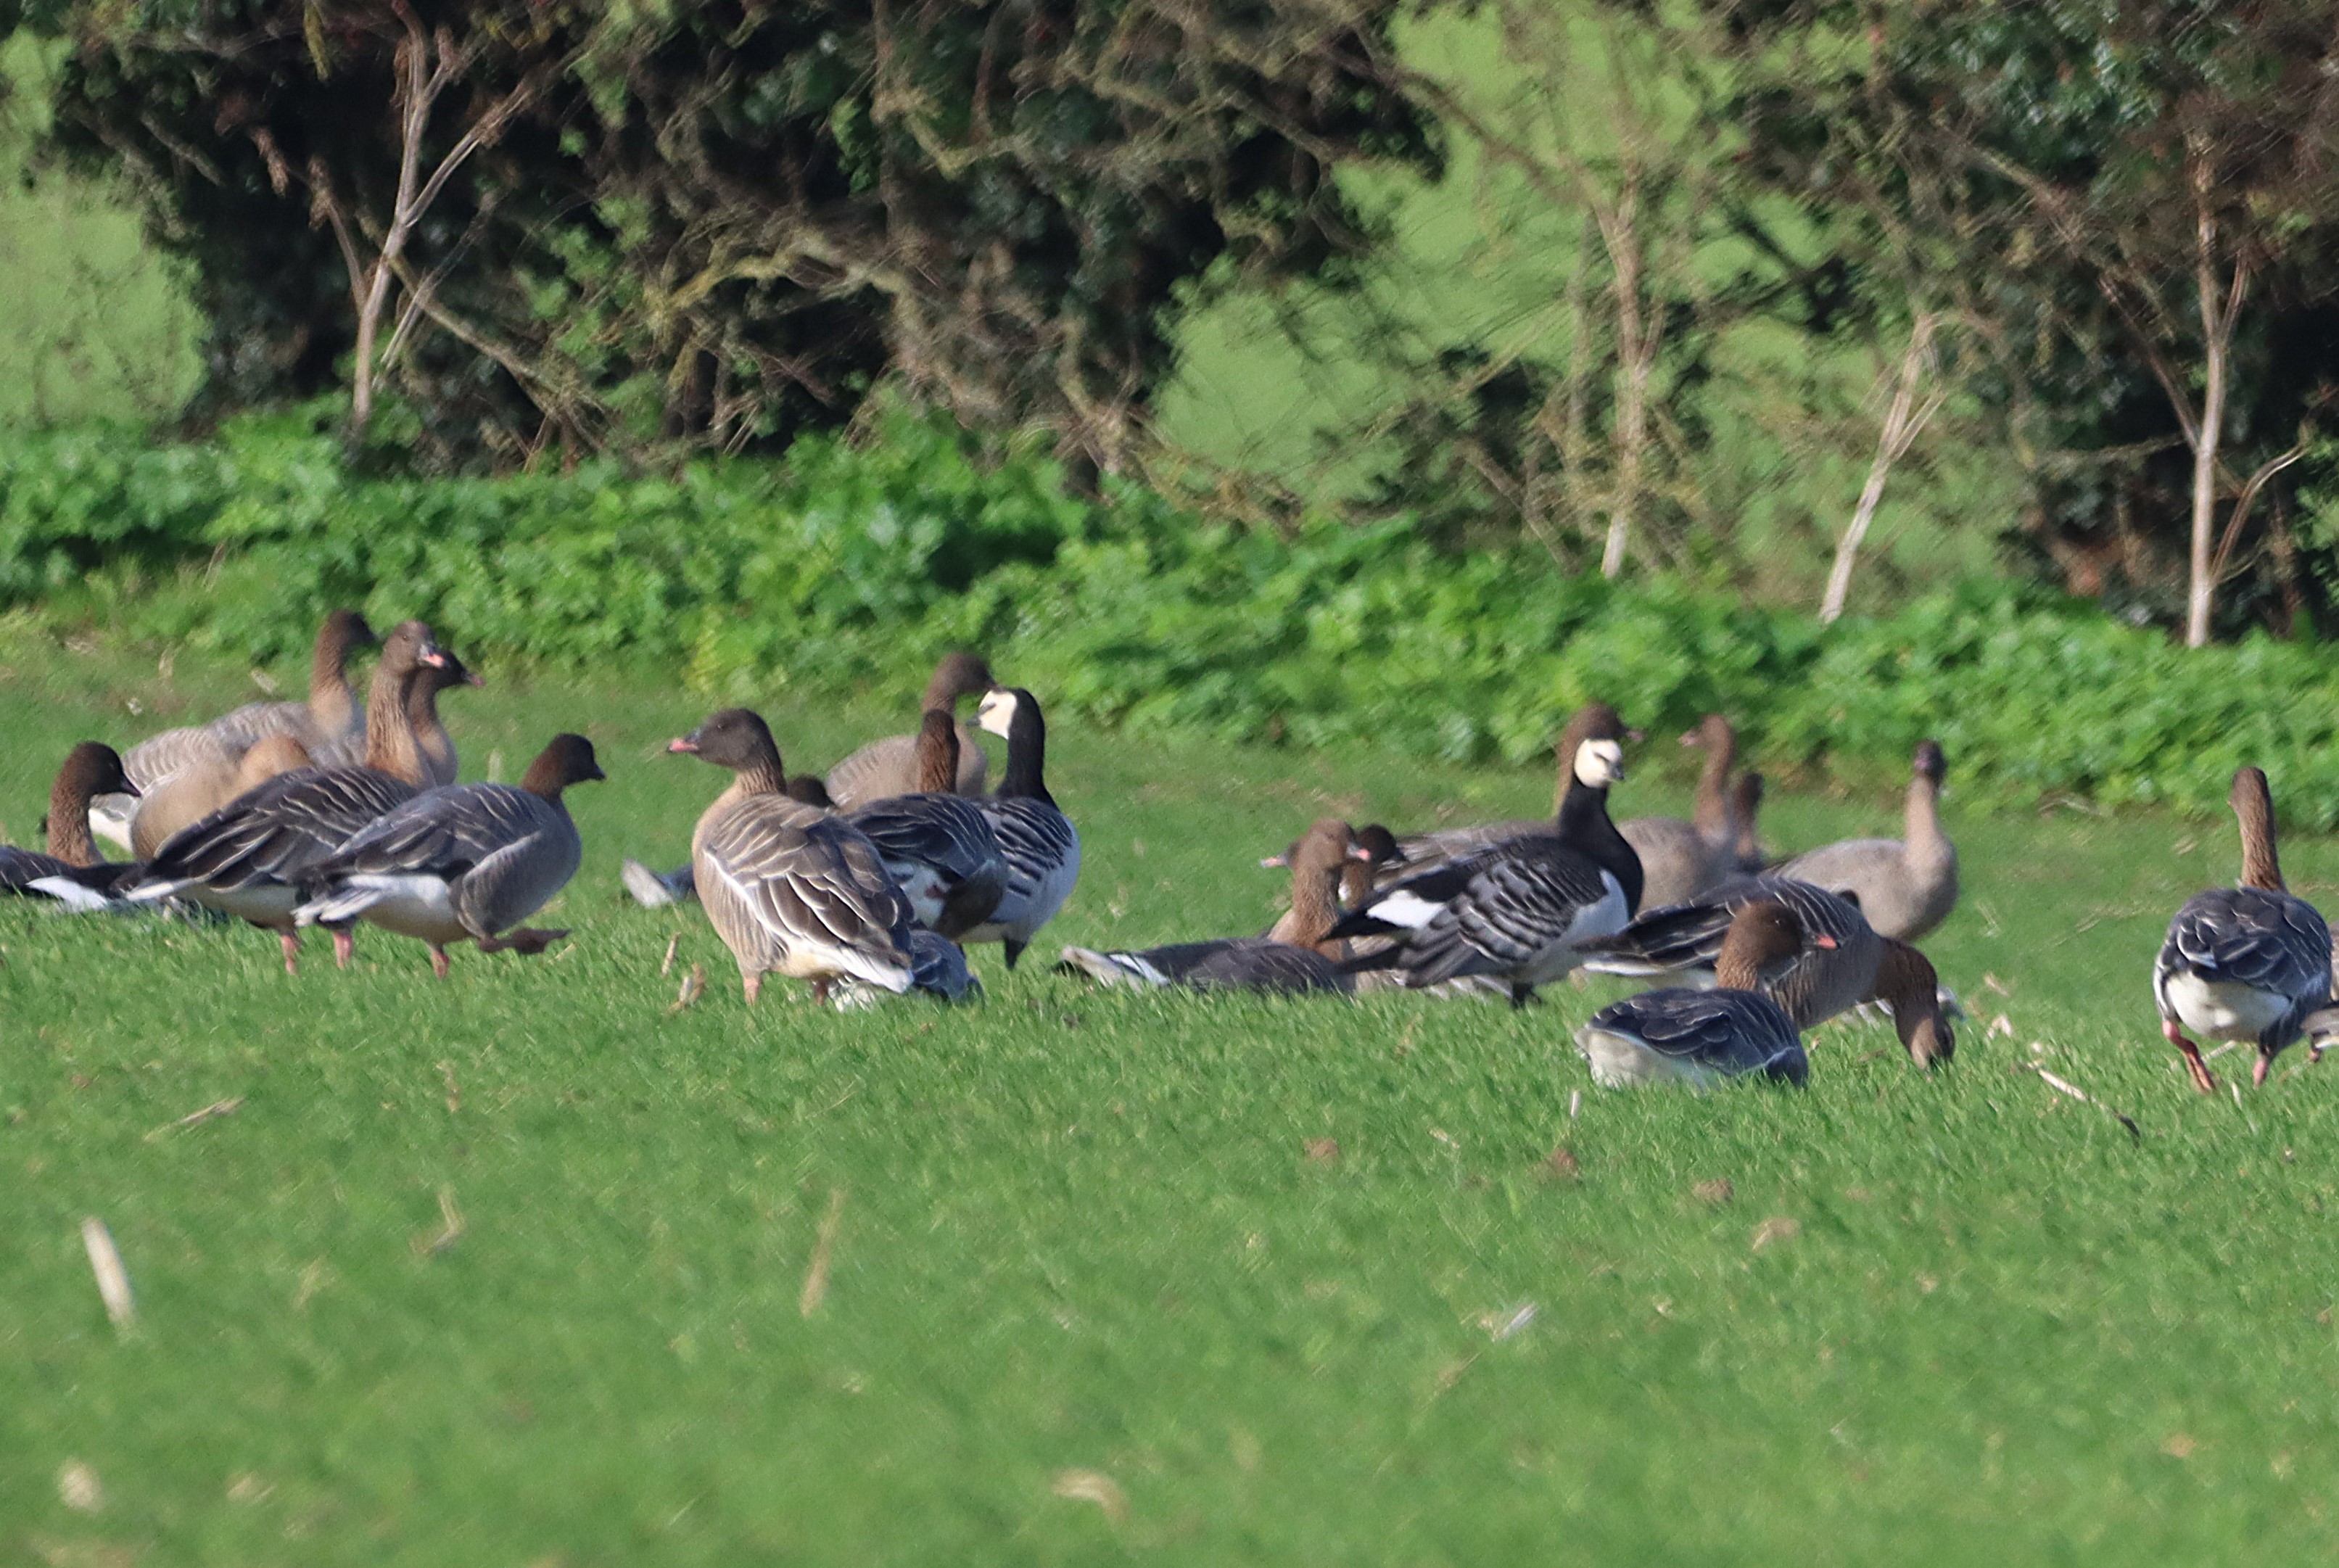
<point x="1730" y="1032"/>
<point x="2271" y="941"/>
<point x="157" y="757"/>
<point x="1042" y="852"/>
<point x="503" y="851"/>
<point x="275" y="831"/>
<point x="20" y="868"/>
<point x="1518" y="904"/>
<point x="778" y="877"/>
<point x="1256" y="965"/>
<point x="947" y="835"/>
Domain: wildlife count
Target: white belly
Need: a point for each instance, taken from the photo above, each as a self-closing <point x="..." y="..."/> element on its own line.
<point x="1620" y="1061"/>
<point x="421" y="907"/>
<point x="268" y="903"/>
<point x="2223" y="1009"/>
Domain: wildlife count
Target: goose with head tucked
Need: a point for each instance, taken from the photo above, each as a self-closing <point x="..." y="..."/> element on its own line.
<point x="328" y="724"/>
<point x="247" y="858"/>
<point x="789" y="888"/>
<point x="888" y="767"/>
<point x="71" y="872"/>
<point x="939" y="847"/>
<point x="2249" y="964"/>
<point x="462" y="862"/>
<point x="1520" y="909"/>
<point x="1679" y="859"/>
<point x="1701" y="1037"/>
<point x="1906" y="886"/>
<point x="1290" y="958"/>
<point x="1041" y="846"/>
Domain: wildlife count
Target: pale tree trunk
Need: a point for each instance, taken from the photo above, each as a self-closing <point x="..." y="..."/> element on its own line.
<point x="1904" y="418"/>
<point x="2216" y="339"/>
<point x="1638" y="334"/>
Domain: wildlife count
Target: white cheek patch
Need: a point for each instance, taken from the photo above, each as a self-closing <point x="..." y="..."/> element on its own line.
<point x="1407" y="909"/>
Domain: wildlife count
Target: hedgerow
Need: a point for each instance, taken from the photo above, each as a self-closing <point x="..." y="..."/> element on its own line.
<point x="849" y="567"/>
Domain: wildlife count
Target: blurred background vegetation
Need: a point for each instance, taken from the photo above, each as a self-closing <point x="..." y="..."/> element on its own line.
<point x="1765" y="311"/>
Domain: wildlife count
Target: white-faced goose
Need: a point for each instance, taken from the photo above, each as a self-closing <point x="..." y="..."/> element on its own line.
<point x="2245" y="963"/>
<point x="1700" y="1038"/>
<point x="1685" y="941"/>
<point x="790" y="889"/>
<point x="1518" y="910"/>
<point x="890" y="766"/>
<point x="329" y="724"/>
<point x="939" y="848"/>
<point x="71" y="873"/>
<point x="1422" y="851"/>
<point x="1905" y="886"/>
<point x="192" y="795"/>
<point x="247" y="858"/>
<point x="1746" y="809"/>
<point x="463" y="862"/>
<point x="1041" y="846"/>
<point x="1679" y="860"/>
<point x="1291" y="958"/>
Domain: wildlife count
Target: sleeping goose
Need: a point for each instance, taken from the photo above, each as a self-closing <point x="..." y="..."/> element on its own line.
<point x="247" y="858"/>
<point x="890" y="766"/>
<point x="2248" y="963"/>
<point x="1290" y="958"/>
<point x="1746" y="808"/>
<point x="1041" y="847"/>
<point x="1905" y="886"/>
<point x="1683" y="943"/>
<point x="462" y="862"/>
<point x="188" y="796"/>
<point x="1517" y="911"/>
<point x="71" y="873"/>
<point x="329" y="718"/>
<point x="1679" y="860"/>
<point x="790" y="889"/>
<point x="939" y="847"/>
<point x="1701" y="1037"/>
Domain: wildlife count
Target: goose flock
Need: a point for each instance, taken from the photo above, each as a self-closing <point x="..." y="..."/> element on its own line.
<point x="876" y="878"/>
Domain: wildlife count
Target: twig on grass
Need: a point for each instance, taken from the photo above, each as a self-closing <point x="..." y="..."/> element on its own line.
<point x="452" y="1227"/>
<point x="454" y="1095"/>
<point x="2064" y="1085"/>
<point x="665" y="964"/>
<point x="693" y="986"/>
<point x="211" y="1112"/>
<point x="815" y="1284"/>
<point x="113" y="1279"/>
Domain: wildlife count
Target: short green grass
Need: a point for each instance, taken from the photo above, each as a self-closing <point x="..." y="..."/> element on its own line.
<point x="1089" y="1296"/>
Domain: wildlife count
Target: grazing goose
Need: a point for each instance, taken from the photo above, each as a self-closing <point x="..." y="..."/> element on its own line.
<point x="1290" y="958"/>
<point x="1685" y="941"/>
<point x="1746" y="807"/>
<point x="657" y="889"/>
<point x="790" y="889"/>
<point x="1912" y="992"/>
<point x="1905" y="886"/>
<point x="188" y="796"/>
<point x="890" y="766"/>
<point x="939" y="847"/>
<point x="71" y="873"/>
<point x="2247" y="962"/>
<point x="1043" y="849"/>
<point x="1700" y="1038"/>
<point x="329" y="718"/>
<point x="462" y="862"/>
<point x="247" y="858"/>
<point x="1679" y="860"/>
<point x="1519" y="909"/>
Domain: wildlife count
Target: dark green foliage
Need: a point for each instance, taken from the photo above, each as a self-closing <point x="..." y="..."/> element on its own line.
<point x="717" y="225"/>
<point x="853" y="567"/>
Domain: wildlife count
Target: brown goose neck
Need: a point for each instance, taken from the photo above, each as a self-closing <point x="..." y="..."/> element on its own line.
<point x="1314" y="910"/>
<point x="937" y="752"/>
<point x="1921" y="816"/>
<point x="332" y="703"/>
<point x="763" y="775"/>
<point x="390" y="743"/>
<point x="1713" y="814"/>
<point x="1906" y="981"/>
<point x="69" y="838"/>
<point x="2261" y="866"/>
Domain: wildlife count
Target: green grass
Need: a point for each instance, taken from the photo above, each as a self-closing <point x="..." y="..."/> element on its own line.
<point x="1079" y="1231"/>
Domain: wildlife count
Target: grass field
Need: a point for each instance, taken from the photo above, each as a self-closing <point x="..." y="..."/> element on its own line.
<point x="1087" y="1294"/>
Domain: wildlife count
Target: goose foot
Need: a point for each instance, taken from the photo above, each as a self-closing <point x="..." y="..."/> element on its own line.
<point x="2258" y="1070"/>
<point x="1521" y="995"/>
<point x="1014" y="951"/>
<point x="439" y="960"/>
<point x="820" y="993"/>
<point x="291" y="952"/>
<point x="527" y="940"/>
<point x="345" y="945"/>
<point x="2193" y="1063"/>
<point x="752" y="984"/>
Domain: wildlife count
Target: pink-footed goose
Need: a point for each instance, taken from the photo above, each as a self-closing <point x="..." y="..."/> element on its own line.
<point x="71" y="873"/>
<point x="1905" y="886"/>
<point x="1679" y="860"/>
<point x="890" y="766"/>
<point x="1700" y="1037"/>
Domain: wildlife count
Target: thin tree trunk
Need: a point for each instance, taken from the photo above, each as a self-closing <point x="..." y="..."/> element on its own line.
<point x="1635" y="350"/>
<point x="1902" y="421"/>
<point x="2216" y="339"/>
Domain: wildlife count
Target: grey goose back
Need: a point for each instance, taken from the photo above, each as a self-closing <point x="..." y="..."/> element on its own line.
<point x="789" y="888"/>
<point x="1906" y="886"/>
<point x="1682" y="859"/>
<point x="188" y="796"/>
<point x="939" y="847"/>
<point x="1698" y="1036"/>
<point x="328" y="721"/>
<point x="461" y="863"/>
<point x="657" y="889"/>
<point x="1290" y="958"/>
<point x="2246" y="963"/>
<point x="1518" y="910"/>
<point x="1041" y="847"/>
<point x="71" y="873"/>
<point x="247" y="858"/>
<point x="888" y="767"/>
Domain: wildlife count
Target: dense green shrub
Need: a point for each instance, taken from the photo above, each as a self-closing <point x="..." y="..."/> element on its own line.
<point x="852" y="566"/>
